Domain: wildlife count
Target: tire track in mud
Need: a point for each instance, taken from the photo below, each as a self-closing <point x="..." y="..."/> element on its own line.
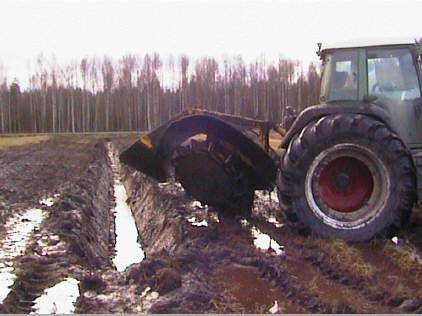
<point x="348" y="269"/>
<point x="307" y="273"/>
<point x="297" y="283"/>
<point x="373" y="284"/>
<point x="74" y="240"/>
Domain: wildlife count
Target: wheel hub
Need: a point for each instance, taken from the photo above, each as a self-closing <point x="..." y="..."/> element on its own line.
<point x="345" y="184"/>
<point x="341" y="181"/>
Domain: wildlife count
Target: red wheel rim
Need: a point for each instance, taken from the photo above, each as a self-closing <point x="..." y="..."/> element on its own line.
<point x="345" y="184"/>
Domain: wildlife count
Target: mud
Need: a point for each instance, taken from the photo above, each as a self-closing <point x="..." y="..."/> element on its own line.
<point x="196" y="260"/>
<point x="76" y="236"/>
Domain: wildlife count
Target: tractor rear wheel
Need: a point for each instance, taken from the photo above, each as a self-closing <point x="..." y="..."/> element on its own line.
<point x="347" y="176"/>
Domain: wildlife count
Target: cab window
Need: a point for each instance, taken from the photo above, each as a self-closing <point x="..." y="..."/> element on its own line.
<point x="343" y="74"/>
<point x="392" y="75"/>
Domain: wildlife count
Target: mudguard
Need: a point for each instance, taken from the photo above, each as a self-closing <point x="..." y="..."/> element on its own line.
<point x="315" y="112"/>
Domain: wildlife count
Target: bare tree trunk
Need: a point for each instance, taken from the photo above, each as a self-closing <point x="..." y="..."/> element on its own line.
<point x="72" y="107"/>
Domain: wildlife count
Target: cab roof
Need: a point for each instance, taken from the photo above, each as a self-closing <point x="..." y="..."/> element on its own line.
<point x="370" y="43"/>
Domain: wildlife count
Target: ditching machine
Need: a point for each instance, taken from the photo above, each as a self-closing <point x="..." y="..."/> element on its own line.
<point x="350" y="167"/>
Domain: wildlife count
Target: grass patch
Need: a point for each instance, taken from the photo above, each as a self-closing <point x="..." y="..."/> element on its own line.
<point x="345" y="256"/>
<point x="7" y="142"/>
<point x="406" y="257"/>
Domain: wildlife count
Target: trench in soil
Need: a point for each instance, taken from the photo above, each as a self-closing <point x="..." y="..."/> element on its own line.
<point x="128" y="250"/>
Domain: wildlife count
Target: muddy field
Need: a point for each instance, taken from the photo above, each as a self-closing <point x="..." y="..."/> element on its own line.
<point x="62" y="209"/>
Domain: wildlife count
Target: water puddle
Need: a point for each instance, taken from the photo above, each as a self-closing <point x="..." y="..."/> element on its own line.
<point x="395" y="240"/>
<point x="275" y="222"/>
<point x="275" y="308"/>
<point x="265" y="204"/>
<point x="6" y="280"/>
<point x="196" y="204"/>
<point x="54" y="301"/>
<point x="49" y="201"/>
<point x="18" y="229"/>
<point x="164" y="184"/>
<point x="128" y="250"/>
<point x="148" y="298"/>
<point x="270" y="196"/>
<point x="199" y="205"/>
<point x="256" y="295"/>
<point x="244" y="222"/>
<point x="194" y="222"/>
<point x="214" y="217"/>
<point x="265" y="242"/>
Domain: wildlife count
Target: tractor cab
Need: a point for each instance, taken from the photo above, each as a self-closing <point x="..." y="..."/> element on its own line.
<point x="387" y="75"/>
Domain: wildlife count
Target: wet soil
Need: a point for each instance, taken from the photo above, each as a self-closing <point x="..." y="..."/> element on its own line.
<point x="77" y="235"/>
<point x="196" y="261"/>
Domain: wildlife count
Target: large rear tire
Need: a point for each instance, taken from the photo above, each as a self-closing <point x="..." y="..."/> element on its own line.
<point x="347" y="176"/>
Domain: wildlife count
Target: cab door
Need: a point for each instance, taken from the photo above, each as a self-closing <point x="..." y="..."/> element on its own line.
<point x="394" y="83"/>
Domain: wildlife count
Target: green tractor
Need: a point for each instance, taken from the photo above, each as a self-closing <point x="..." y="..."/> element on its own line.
<point x="351" y="167"/>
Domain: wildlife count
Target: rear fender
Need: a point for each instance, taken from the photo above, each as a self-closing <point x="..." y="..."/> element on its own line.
<point x="316" y="112"/>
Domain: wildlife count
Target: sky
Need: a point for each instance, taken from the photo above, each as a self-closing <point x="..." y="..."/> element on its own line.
<point x="285" y="28"/>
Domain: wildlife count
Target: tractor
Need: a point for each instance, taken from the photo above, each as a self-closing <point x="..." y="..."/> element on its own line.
<point x="349" y="167"/>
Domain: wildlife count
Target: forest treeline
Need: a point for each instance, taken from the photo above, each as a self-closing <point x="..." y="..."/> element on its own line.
<point x="134" y="93"/>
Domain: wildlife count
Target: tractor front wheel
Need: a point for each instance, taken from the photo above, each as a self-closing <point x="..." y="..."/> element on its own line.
<point x="347" y="176"/>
